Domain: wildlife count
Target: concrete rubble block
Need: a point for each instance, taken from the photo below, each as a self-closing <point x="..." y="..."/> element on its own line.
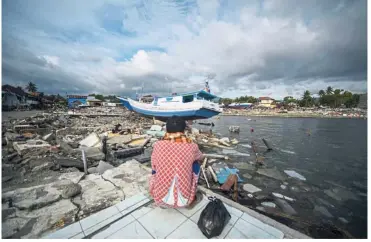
<point x="69" y="162"/>
<point x="158" y="134"/>
<point x="158" y="122"/>
<point x="49" y="137"/>
<point x="131" y="177"/>
<point x="92" y="140"/>
<point x="92" y="170"/>
<point x="31" y="146"/>
<point x="195" y="131"/>
<point x="10" y="227"/>
<point x="120" y="139"/>
<point x="10" y="137"/>
<point x="71" y="190"/>
<point x="33" y="197"/>
<point x="74" y="177"/>
<point x="156" y="128"/>
<point x="124" y="153"/>
<point x="139" y="142"/>
<point x="7" y="213"/>
<point x="103" y="166"/>
<point x="46" y="218"/>
<point x="251" y="188"/>
<point x="20" y="128"/>
<point x="93" y="153"/>
<point x="96" y="194"/>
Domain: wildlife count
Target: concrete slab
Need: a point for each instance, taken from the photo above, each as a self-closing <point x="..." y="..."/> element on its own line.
<point x="267" y="228"/>
<point x="189" y="212"/>
<point x="245" y="230"/>
<point x="162" y="222"/>
<point x="67" y="232"/>
<point x="132" y="231"/>
<point x="98" y="218"/>
<point x="137" y="214"/>
<point x="113" y="228"/>
<point x="132" y="201"/>
<point x="188" y="230"/>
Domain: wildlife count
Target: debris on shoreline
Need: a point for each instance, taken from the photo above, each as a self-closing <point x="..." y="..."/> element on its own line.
<point x="46" y="184"/>
<point x="300" y="112"/>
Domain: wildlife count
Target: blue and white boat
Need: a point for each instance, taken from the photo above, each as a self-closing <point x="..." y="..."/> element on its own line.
<point x="191" y="106"/>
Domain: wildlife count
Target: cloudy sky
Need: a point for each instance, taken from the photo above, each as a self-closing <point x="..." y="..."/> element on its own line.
<point x="246" y="47"/>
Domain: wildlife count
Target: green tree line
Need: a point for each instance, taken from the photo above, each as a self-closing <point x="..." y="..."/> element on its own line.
<point x="242" y="99"/>
<point x="331" y="97"/>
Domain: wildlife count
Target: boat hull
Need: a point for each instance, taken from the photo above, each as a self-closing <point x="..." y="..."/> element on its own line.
<point x="189" y="114"/>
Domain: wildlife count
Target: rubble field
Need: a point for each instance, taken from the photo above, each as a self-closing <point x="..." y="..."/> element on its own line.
<point x="58" y="168"/>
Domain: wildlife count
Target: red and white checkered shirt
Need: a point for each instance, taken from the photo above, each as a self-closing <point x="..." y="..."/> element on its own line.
<point x="174" y="183"/>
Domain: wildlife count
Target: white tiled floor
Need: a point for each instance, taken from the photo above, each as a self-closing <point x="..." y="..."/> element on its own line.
<point x="150" y="221"/>
<point x="161" y="222"/>
<point x="133" y="231"/>
<point x="184" y="231"/>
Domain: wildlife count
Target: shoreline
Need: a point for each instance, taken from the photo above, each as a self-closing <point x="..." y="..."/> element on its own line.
<point x="285" y="115"/>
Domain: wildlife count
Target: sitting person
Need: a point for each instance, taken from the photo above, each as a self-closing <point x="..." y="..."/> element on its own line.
<point x="175" y="167"/>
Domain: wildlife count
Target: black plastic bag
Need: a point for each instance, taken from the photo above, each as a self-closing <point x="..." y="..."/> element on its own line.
<point x="213" y="218"/>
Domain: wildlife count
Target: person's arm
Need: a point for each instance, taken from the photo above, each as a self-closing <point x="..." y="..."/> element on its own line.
<point x="198" y="156"/>
<point x="153" y="159"/>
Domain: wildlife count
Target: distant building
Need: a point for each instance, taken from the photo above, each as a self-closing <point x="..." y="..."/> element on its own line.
<point x="92" y="101"/>
<point x="13" y="97"/>
<point x="362" y="101"/>
<point x="266" y="102"/>
<point x="240" y="105"/>
<point x="76" y="100"/>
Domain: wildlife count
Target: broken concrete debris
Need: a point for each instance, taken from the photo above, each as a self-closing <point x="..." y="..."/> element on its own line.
<point x="103" y="166"/>
<point x="92" y="140"/>
<point x="34" y="146"/>
<point x="44" y="183"/>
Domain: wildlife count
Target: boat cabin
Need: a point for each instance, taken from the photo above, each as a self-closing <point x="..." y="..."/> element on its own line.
<point x="187" y="98"/>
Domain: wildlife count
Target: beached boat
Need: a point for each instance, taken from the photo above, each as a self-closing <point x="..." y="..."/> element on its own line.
<point x="190" y="106"/>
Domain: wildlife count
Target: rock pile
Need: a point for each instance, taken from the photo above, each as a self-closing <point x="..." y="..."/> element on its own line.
<point x="45" y="185"/>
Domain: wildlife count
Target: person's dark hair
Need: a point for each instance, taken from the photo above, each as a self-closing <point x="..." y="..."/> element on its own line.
<point x="175" y="124"/>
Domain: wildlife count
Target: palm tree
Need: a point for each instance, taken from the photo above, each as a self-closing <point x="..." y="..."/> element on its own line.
<point x="307" y="98"/>
<point x="329" y="90"/>
<point x="321" y="93"/>
<point x="31" y="87"/>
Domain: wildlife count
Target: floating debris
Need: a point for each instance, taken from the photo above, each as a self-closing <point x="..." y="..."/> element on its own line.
<point x="294" y="174"/>
<point x="343" y="220"/>
<point x="251" y="188"/>
<point x="322" y="210"/>
<point x="282" y="196"/>
<point x="269" y="204"/>
<point x="234" y="129"/>
<point x="286" y="207"/>
<point x="271" y="173"/>
<point x="234" y="152"/>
